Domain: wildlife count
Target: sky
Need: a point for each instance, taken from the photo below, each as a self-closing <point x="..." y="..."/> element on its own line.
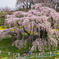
<point x="8" y="3"/>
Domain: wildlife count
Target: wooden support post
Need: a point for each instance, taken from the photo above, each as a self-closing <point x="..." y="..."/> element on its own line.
<point x="12" y="40"/>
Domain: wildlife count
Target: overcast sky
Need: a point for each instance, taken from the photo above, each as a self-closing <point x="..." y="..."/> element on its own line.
<point x="7" y="3"/>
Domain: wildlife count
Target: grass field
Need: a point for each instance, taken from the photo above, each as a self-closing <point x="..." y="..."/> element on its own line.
<point x="6" y="45"/>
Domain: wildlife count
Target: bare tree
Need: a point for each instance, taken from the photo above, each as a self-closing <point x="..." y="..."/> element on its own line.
<point x="5" y="9"/>
<point x="27" y="3"/>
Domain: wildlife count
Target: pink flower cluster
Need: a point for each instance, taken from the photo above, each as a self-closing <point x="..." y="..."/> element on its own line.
<point x="38" y="16"/>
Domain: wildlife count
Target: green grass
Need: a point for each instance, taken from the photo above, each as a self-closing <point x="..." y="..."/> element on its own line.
<point x="43" y="58"/>
<point x="2" y="20"/>
<point x="6" y="45"/>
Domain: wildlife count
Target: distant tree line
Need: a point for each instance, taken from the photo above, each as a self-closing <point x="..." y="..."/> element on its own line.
<point x="28" y="3"/>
